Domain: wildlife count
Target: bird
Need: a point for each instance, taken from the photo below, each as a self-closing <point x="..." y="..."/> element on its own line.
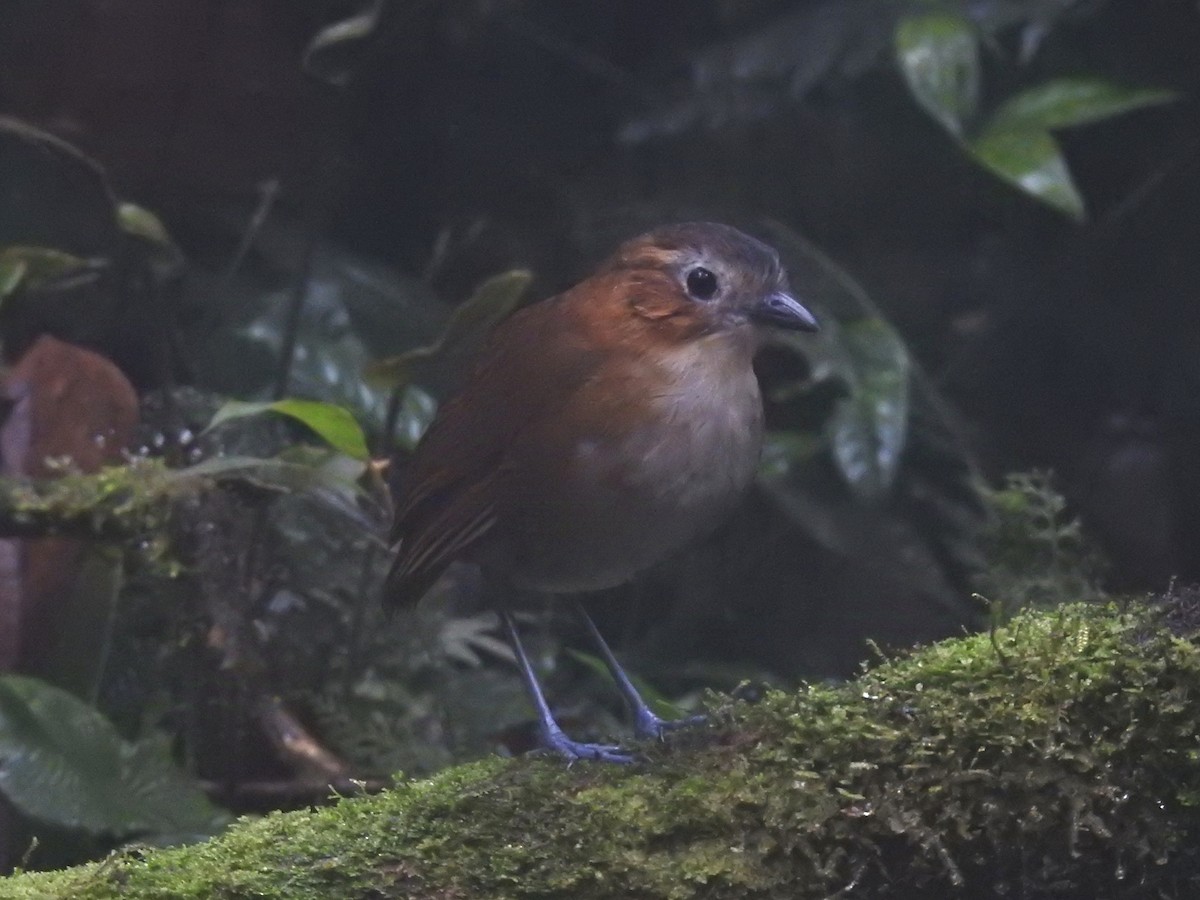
<point x="600" y="431"/>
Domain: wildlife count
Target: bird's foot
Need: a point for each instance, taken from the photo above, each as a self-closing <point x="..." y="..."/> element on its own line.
<point x="648" y="726"/>
<point x="572" y="751"/>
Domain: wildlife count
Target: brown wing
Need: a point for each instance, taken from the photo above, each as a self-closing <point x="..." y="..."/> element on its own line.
<point x="531" y="365"/>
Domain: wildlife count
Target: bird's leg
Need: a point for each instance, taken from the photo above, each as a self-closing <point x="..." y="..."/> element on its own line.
<point x="551" y="733"/>
<point x="645" y="723"/>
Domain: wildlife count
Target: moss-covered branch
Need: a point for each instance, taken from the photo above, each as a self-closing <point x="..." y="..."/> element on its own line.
<point x="1059" y="757"/>
<point x="117" y="503"/>
<point x="132" y="501"/>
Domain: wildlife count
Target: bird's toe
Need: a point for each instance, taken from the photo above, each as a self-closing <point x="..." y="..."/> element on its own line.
<point x="573" y="751"/>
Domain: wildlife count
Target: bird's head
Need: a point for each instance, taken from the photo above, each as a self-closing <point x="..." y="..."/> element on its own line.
<point x="701" y="278"/>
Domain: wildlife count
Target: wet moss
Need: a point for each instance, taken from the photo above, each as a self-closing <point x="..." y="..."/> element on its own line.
<point x="1058" y="757"/>
<point x="116" y="503"/>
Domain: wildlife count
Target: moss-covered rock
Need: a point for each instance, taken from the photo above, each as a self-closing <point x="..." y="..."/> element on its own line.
<point x="1057" y="757"/>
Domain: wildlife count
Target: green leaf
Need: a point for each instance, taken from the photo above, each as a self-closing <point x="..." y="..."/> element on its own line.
<point x="1065" y="102"/>
<point x="37" y="266"/>
<point x="139" y="221"/>
<point x="1032" y="161"/>
<point x="163" y="254"/>
<point x="491" y="303"/>
<point x="335" y="425"/>
<point x="869" y="428"/>
<point x="12" y="273"/>
<point x="62" y="762"/>
<point x="938" y="55"/>
<point x="658" y="702"/>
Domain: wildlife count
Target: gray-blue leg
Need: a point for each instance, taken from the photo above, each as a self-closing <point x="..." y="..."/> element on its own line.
<point x="552" y="736"/>
<point x="645" y="723"/>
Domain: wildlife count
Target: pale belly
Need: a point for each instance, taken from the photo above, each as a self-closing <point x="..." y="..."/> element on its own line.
<point x="626" y="501"/>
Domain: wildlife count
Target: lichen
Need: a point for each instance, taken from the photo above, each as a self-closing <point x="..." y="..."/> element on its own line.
<point x="1057" y="757"/>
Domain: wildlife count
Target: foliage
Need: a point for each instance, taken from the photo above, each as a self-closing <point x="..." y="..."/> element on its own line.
<point x="64" y="764"/>
<point x="332" y="423"/>
<point x="861" y="353"/>
<point x="938" y="48"/>
<point x="870" y="426"/>
<point x="37" y="267"/>
<point x="1037" y="553"/>
<point x="213" y="500"/>
<point x="492" y="302"/>
<point x="887" y="435"/>
<point x="939" y="57"/>
<point x="1055" y="758"/>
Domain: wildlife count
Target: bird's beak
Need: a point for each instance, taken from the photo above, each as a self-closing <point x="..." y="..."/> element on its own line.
<point x="784" y="311"/>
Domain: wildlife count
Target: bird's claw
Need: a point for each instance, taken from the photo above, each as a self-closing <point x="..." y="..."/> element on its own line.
<point x="573" y="751"/>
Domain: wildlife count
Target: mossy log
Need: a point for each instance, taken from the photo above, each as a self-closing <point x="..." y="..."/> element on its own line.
<point x="118" y="503"/>
<point x="1056" y="757"/>
<point x="138" y="501"/>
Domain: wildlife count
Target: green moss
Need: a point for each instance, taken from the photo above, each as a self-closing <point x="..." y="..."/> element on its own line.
<point x="1058" y="757"/>
<point x="116" y="503"/>
<point x="1037" y="553"/>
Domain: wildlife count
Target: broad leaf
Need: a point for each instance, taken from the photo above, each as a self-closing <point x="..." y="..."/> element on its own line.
<point x="927" y="527"/>
<point x="148" y="228"/>
<point x="139" y="221"/>
<point x="491" y="303"/>
<point x="1065" y="102"/>
<point x="939" y="57"/>
<point x="63" y="763"/>
<point x="1032" y="161"/>
<point x="335" y="425"/>
<point x="869" y="427"/>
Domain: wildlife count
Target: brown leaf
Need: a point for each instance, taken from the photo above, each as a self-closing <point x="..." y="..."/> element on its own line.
<point x="73" y="407"/>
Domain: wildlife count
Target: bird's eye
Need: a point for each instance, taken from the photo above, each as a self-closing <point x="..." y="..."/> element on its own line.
<point x="701" y="283"/>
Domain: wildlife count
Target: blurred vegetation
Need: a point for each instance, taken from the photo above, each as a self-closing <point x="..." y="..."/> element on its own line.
<point x="292" y="264"/>
<point x="1037" y="553"/>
